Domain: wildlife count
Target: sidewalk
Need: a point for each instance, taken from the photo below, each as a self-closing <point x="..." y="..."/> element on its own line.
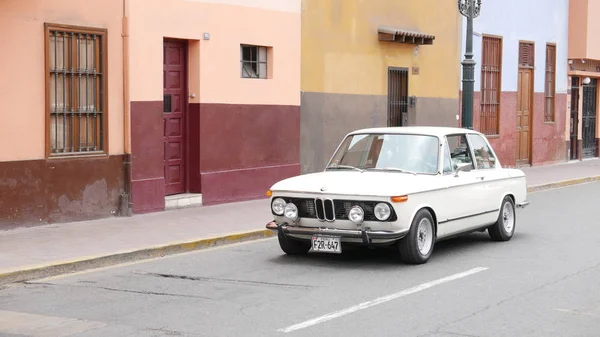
<point x="35" y="252"/>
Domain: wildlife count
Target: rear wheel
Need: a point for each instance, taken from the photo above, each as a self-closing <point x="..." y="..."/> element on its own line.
<point x="416" y="247"/>
<point x="504" y="228"/>
<point x="291" y="246"/>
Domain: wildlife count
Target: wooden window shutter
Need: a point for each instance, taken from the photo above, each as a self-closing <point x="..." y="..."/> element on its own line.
<point x="526" y="54"/>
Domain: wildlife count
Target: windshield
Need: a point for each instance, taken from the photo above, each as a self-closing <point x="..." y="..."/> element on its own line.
<point x="398" y="152"/>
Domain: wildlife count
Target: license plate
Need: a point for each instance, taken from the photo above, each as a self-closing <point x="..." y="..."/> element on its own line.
<point x="326" y="244"/>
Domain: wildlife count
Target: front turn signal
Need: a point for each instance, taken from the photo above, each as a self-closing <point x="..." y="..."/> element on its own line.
<point x="269" y="193"/>
<point x="401" y="198"/>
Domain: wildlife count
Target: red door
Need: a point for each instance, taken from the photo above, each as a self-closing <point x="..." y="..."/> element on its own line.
<point x="174" y="115"/>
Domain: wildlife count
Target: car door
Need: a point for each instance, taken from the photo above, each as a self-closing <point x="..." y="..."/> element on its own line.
<point x="488" y="170"/>
<point x="463" y="190"/>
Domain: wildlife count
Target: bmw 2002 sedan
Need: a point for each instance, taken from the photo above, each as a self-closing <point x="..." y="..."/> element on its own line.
<point x="402" y="186"/>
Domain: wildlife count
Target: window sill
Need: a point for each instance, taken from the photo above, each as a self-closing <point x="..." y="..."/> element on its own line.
<point x="492" y="136"/>
<point x="77" y="156"/>
<point x="549" y="123"/>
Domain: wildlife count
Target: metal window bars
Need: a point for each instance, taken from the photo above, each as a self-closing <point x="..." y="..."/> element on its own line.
<point x="76" y="95"/>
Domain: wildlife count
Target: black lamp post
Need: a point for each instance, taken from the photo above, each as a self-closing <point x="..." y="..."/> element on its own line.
<point x="469" y="9"/>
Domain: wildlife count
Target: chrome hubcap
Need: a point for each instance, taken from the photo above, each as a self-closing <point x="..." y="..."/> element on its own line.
<point x="508" y="218"/>
<point x="424" y="236"/>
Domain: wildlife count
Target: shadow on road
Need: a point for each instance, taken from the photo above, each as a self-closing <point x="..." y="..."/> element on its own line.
<point x="372" y="259"/>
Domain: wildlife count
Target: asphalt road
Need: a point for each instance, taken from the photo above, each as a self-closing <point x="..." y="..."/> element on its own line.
<point x="544" y="282"/>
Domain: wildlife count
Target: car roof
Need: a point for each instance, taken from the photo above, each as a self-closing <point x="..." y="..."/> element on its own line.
<point x="439" y="131"/>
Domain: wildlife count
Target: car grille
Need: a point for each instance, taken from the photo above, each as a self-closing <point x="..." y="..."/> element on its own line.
<point x="333" y="209"/>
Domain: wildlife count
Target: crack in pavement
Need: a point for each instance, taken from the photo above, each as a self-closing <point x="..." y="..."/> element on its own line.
<point x="167" y="332"/>
<point x="142" y="292"/>
<point x="439" y="329"/>
<point x="215" y="279"/>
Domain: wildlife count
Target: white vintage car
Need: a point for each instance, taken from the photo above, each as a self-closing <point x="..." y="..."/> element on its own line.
<point x="404" y="186"/>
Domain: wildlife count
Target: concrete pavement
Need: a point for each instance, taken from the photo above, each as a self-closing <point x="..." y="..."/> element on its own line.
<point x="541" y="283"/>
<point x="29" y="253"/>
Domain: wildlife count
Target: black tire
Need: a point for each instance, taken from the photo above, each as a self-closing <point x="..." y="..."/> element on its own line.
<point x="409" y="246"/>
<point x="291" y="246"/>
<point x="498" y="231"/>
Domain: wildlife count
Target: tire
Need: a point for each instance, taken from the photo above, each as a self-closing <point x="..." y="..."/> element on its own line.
<point x="504" y="228"/>
<point x="409" y="245"/>
<point x="291" y="246"/>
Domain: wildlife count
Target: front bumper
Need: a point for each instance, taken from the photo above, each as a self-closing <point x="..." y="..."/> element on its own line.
<point x="365" y="235"/>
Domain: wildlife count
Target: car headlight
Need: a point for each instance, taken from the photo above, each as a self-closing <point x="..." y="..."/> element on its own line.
<point x="291" y="211"/>
<point x="356" y="214"/>
<point x="278" y="206"/>
<point x="382" y="211"/>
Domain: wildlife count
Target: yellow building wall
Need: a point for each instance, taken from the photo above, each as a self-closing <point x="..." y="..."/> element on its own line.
<point x="341" y="52"/>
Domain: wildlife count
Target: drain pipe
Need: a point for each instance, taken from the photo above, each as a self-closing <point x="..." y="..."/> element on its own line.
<point x="126" y="204"/>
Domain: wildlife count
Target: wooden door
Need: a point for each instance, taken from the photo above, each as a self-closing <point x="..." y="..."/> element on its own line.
<point x="524" y="105"/>
<point x="174" y="115"/>
<point x="574" y="124"/>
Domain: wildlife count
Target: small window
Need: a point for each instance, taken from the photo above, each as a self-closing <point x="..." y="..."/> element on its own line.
<point x="253" y="61"/>
<point x="483" y="154"/>
<point x="459" y="151"/>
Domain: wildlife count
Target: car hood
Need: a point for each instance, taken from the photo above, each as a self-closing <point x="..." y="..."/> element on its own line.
<point x="373" y="183"/>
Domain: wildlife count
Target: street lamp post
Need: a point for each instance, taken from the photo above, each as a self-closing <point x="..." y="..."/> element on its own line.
<point x="469" y="9"/>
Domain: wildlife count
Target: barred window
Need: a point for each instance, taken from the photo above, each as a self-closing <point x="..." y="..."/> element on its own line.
<point x="76" y="90"/>
<point x="253" y="61"/>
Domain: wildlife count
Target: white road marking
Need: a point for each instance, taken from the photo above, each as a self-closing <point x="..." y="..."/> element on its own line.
<point x="577" y="312"/>
<point x="380" y="300"/>
<point x="43" y="326"/>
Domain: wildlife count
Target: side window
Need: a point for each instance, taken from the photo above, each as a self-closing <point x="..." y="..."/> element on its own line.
<point x="448" y="167"/>
<point x="460" y="153"/>
<point x="483" y="154"/>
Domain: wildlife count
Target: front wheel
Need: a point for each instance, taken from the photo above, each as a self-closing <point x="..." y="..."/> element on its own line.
<point x="416" y="247"/>
<point x="292" y="247"/>
<point x="504" y="228"/>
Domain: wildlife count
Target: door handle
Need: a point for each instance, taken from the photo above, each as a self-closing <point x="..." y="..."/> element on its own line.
<point x="480" y="178"/>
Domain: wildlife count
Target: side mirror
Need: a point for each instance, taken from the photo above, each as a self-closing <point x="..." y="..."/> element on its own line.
<point x="463" y="168"/>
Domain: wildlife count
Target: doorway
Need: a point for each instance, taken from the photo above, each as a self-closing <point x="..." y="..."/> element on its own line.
<point x="524" y="103"/>
<point x="588" y="120"/>
<point x="397" y="96"/>
<point x="174" y="115"/>
<point x="574" y="127"/>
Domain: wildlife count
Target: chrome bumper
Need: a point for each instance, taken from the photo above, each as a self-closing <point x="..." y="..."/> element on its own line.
<point x="523" y="204"/>
<point x="366" y="235"/>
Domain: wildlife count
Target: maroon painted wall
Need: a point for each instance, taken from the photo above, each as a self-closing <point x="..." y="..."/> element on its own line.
<point x="244" y="149"/>
<point x="37" y="192"/>
<point x="548" y="139"/>
<point x="234" y="152"/>
<point x="147" y="168"/>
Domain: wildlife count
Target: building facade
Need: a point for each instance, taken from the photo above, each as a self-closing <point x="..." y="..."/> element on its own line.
<point x="583" y="125"/>
<point x="520" y="99"/>
<point x="375" y="63"/>
<point x="130" y="106"/>
<point x="215" y="101"/>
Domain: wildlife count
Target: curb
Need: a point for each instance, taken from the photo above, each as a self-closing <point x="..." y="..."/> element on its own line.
<point x="562" y="183"/>
<point x="93" y="262"/>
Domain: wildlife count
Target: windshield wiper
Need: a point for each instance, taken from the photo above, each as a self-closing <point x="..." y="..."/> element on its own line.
<point x="395" y="169"/>
<point x="344" y="167"/>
